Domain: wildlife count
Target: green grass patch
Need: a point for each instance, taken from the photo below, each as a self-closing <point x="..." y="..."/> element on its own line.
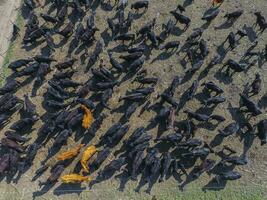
<point x="8" y="57"/>
<point x="9" y="53"/>
<point x="171" y="192"/>
<point x="245" y="193"/>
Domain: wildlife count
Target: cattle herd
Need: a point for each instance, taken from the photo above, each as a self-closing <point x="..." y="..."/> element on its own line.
<point x="70" y="105"/>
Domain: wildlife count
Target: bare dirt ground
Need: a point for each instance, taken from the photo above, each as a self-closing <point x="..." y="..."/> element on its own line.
<point x="165" y="66"/>
<point x="8" y="15"/>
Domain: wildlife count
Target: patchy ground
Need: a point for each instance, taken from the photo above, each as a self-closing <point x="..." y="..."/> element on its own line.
<point x="165" y="66"/>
